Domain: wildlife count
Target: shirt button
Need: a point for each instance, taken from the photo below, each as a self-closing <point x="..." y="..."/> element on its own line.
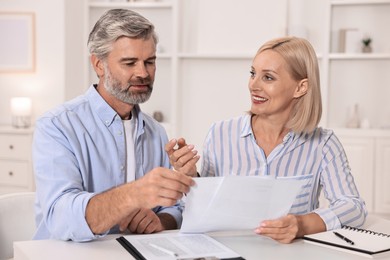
<point x="122" y="168"/>
<point x="107" y="122"/>
<point x="119" y="132"/>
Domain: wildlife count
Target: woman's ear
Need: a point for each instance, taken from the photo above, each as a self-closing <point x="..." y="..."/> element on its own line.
<point x="301" y="88"/>
<point x="97" y="65"/>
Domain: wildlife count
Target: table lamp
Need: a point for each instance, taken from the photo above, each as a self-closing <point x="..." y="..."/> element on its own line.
<point x="21" y="112"/>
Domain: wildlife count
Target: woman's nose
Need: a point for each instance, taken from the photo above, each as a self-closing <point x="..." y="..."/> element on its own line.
<point x="254" y="84"/>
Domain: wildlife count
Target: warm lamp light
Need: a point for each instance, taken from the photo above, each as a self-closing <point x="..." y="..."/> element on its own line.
<point x="21" y="112"/>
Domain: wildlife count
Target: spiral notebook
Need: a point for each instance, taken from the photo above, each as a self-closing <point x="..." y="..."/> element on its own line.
<point x="354" y="240"/>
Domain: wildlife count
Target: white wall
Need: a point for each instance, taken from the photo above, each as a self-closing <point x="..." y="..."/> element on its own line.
<point x="241" y="27"/>
<point x="46" y="86"/>
<point x="212" y="89"/>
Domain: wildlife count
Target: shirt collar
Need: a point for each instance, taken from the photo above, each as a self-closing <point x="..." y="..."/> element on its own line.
<point x="246" y="130"/>
<point x="106" y="113"/>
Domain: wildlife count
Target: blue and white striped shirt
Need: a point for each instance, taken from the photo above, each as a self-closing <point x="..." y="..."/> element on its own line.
<point x="231" y="149"/>
<point x="79" y="150"/>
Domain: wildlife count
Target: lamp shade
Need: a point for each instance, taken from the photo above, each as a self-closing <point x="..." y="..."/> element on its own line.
<point x="21" y="111"/>
<point x="21" y="106"/>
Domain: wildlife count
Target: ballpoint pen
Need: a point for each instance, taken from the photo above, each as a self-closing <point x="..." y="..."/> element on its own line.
<point x="344" y="238"/>
<point x="162" y="249"/>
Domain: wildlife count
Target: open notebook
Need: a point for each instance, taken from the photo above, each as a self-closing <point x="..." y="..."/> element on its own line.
<point x="356" y="240"/>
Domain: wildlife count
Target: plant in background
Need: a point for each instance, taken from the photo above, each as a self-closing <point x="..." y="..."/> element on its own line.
<point x="366" y="41"/>
<point x="366" y="44"/>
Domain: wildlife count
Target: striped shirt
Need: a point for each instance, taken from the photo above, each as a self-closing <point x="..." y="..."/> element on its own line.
<point x="231" y="149"/>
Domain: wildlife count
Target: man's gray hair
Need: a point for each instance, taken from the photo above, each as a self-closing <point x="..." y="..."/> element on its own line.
<point x="117" y="23"/>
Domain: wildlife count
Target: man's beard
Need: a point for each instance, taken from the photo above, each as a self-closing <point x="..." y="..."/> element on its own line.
<point x="123" y="93"/>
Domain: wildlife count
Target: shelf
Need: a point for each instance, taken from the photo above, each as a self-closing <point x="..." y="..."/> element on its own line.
<point x="12" y="130"/>
<point x="216" y="56"/>
<point x="360" y="132"/>
<point x="222" y="56"/>
<point x="135" y="5"/>
<point x="163" y="55"/>
<point x="359" y="56"/>
<point x="360" y="2"/>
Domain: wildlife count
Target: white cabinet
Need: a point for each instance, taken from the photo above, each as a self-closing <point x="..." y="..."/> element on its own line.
<point x="15" y="160"/>
<point x="382" y="177"/>
<point x="360" y="152"/>
<point x="368" y="152"/>
<point x="350" y="76"/>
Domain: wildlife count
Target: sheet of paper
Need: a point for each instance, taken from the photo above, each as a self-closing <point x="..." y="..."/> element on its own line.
<point x="160" y="246"/>
<point x="236" y="202"/>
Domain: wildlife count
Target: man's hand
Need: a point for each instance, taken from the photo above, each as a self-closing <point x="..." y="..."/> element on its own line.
<point x="145" y="221"/>
<point x="184" y="158"/>
<point x="142" y="221"/>
<point x="160" y="187"/>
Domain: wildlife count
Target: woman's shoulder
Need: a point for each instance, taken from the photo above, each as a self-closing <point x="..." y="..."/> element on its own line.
<point x="326" y="135"/>
<point x="326" y="132"/>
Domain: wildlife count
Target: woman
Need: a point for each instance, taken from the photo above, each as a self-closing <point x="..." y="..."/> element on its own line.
<point x="280" y="137"/>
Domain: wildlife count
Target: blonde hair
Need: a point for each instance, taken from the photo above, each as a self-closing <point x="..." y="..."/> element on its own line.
<point x="302" y="64"/>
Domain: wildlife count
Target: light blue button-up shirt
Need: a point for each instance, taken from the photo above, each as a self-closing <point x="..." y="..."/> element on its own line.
<point x="79" y="150"/>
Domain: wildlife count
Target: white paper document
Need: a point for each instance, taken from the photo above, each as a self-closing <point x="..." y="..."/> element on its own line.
<point x="167" y="246"/>
<point x="237" y="202"/>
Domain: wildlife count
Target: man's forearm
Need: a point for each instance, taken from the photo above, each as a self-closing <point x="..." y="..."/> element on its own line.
<point x="108" y="208"/>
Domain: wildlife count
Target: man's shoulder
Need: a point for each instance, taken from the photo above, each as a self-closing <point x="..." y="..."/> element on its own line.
<point x="70" y="106"/>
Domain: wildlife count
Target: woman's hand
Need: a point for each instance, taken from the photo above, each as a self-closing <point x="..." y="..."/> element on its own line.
<point x="283" y="230"/>
<point x="287" y="228"/>
<point x="183" y="158"/>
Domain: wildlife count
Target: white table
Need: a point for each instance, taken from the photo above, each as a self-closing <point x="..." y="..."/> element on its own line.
<point x="250" y="246"/>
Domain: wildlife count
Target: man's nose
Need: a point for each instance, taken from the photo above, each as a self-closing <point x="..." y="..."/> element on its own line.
<point x="140" y="71"/>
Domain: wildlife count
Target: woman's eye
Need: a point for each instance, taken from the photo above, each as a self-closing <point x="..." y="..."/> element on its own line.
<point x="253" y="74"/>
<point x="268" y="78"/>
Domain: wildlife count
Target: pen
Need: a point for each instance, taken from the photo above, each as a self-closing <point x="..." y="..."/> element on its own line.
<point x="162" y="249"/>
<point x="344" y="238"/>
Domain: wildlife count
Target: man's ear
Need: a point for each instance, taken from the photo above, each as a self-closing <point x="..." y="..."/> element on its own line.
<point x="301" y="88"/>
<point x="97" y="65"/>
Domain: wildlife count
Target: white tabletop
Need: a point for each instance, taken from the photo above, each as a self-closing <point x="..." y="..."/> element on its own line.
<point x="250" y="246"/>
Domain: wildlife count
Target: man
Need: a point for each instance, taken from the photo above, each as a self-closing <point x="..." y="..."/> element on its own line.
<point x="99" y="162"/>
